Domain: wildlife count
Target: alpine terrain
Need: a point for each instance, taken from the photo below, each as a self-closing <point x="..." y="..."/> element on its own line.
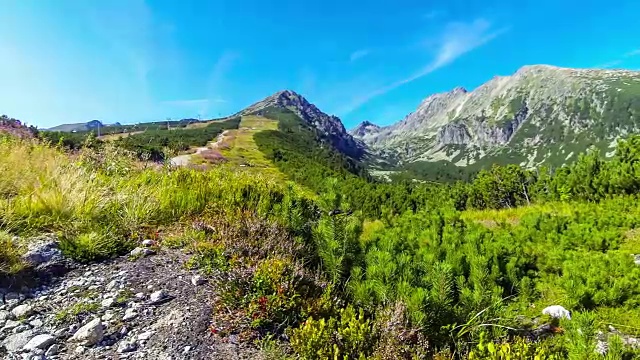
<point x="541" y="115"/>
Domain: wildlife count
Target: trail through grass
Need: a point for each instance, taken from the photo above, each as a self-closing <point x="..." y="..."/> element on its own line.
<point x="241" y="151"/>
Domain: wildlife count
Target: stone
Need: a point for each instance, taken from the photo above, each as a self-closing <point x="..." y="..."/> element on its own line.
<point x="22" y="311"/>
<point x="636" y="259"/>
<point x="90" y="334"/>
<point x="13" y="298"/>
<point x="158" y="296"/>
<point x="5" y="315"/>
<point x="148" y="242"/>
<point x="10" y="325"/>
<point x="186" y="349"/>
<point x="17" y="341"/>
<point x="129" y="314"/>
<point x="79" y="350"/>
<point x="108" y="302"/>
<point x="42" y="341"/>
<point x="36" y="323"/>
<point x="198" y="280"/>
<point x="52" y="350"/>
<point x="557" y="312"/>
<point x="141" y="252"/>
<point x="21" y="328"/>
<point x="107" y="316"/>
<point x="145" y="335"/>
<point x="140" y="296"/>
<point x="126" y="346"/>
<point x="44" y="251"/>
<point x="602" y="347"/>
<point x="111" y="285"/>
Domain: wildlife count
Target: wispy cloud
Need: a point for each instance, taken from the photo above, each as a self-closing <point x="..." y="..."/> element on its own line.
<point x="457" y="39"/>
<point x="610" y="64"/>
<point x="430" y="15"/>
<point x="633" y="53"/>
<point x="359" y="54"/>
<point x="619" y="61"/>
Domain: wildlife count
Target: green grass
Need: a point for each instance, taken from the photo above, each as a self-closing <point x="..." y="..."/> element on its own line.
<point x="70" y="313"/>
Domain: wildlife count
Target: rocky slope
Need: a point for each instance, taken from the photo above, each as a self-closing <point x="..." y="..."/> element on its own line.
<point x="539" y="115"/>
<point x="329" y="126"/>
<point x="143" y="306"/>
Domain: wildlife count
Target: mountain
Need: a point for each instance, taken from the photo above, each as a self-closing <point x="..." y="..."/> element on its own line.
<point x="93" y="124"/>
<point x="365" y="129"/>
<point x="539" y="115"/>
<point x="330" y="127"/>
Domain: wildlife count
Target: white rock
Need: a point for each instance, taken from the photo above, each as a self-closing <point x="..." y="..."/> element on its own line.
<point x="5" y="315"/>
<point x="39" y="342"/>
<point x="52" y="350"/>
<point x="186" y="349"/>
<point x="158" y="296"/>
<point x="111" y="285"/>
<point x="21" y="311"/>
<point x="140" y="296"/>
<point x="198" y="280"/>
<point x="10" y="325"/>
<point x="36" y="323"/>
<point x="126" y="346"/>
<point x="145" y="335"/>
<point x="141" y="252"/>
<point x="90" y="334"/>
<point x="129" y="314"/>
<point x="148" y="242"/>
<point x="16" y="342"/>
<point x="79" y="350"/>
<point x="108" y="302"/>
<point x="557" y="311"/>
<point x="107" y="316"/>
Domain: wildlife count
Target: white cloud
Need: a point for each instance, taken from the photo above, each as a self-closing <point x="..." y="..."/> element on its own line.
<point x="359" y="54"/>
<point x="457" y="39"/>
<point x="430" y="15"/>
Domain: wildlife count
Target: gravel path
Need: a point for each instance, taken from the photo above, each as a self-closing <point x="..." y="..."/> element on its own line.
<point x="183" y="160"/>
<point x="151" y="307"/>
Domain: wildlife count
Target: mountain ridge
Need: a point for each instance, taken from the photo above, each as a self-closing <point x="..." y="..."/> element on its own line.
<point x="330" y="126"/>
<point x="539" y="107"/>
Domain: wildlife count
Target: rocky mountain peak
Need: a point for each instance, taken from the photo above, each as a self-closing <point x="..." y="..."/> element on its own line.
<point x="329" y="126"/>
<point x="364" y="129"/>
<point x="544" y="105"/>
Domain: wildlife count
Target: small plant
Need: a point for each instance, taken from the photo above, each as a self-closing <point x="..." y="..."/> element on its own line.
<point x="347" y="336"/>
<point x="71" y="313"/>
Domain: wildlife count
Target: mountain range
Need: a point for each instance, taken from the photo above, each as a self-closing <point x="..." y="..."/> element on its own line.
<point x="539" y="115"/>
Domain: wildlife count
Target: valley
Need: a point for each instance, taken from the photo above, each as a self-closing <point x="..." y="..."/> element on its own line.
<point x="482" y="226"/>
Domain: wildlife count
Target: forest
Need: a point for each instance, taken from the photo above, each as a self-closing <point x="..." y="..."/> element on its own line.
<point x="362" y="269"/>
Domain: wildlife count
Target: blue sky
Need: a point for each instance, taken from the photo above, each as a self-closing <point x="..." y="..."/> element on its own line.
<point x="67" y="61"/>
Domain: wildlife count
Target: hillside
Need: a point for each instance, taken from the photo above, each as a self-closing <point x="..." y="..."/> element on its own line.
<point x="330" y="127"/>
<point x="272" y="241"/>
<point x="541" y="115"/>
